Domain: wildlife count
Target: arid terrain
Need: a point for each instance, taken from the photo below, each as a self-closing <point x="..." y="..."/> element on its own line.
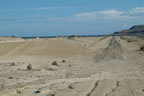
<point x="79" y="66"/>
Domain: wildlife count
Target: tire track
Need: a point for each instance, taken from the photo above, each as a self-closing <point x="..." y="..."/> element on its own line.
<point x="93" y="89"/>
<point x="114" y="89"/>
<point x="112" y="51"/>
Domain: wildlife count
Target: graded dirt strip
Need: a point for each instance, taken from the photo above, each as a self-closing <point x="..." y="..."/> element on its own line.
<point x="112" y="51"/>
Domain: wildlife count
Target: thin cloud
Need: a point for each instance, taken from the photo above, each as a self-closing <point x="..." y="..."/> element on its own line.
<point x="88" y="14"/>
<point x="113" y="14"/>
<point x="45" y="8"/>
<point x="41" y="8"/>
<point x="30" y="9"/>
<point x="137" y="11"/>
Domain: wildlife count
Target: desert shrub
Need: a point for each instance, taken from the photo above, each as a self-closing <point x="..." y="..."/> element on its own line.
<point x="70" y="86"/>
<point x="129" y="41"/>
<point x="38" y="91"/>
<point x="29" y="67"/>
<point x="19" y="91"/>
<point x="71" y="36"/>
<point x="13" y="64"/>
<point x="55" y="63"/>
<point x="51" y="94"/>
<point x="142" y="48"/>
<point x="50" y="69"/>
<point x="63" y="61"/>
<point x="13" y="36"/>
<point x="10" y="77"/>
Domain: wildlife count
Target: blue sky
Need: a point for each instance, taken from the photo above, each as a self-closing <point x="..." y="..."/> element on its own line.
<point x="68" y="17"/>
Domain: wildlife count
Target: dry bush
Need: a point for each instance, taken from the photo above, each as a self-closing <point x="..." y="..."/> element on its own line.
<point x="29" y="67"/>
<point x="129" y="41"/>
<point x="54" y="63"/>
<point x="38" y="91"/>
<point x="12" y="64"/>
<point x="71" y="37"/>
<point x="63" y="61"/>
<point x="142" y="48"/>
<point x="10" y="77"/>
<point x="19" y="91"/>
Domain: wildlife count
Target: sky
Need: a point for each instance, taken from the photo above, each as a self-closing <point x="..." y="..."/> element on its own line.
<point x="68" y="17"/>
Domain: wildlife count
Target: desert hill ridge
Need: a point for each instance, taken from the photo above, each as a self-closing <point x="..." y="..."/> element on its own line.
<point x="134" y="30"/>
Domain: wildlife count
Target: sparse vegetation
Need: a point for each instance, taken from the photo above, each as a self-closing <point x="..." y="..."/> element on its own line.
<point x="129" y="41"/>
<point x="13" y="64"/>
<point x="142" y="48"/>
<point x="10" y="77"/>
<point x="29" y="67"/>
<point x="71" y="37"/>
<point x="63" y="61"/>
<point x="70" y="87"/>
<point x="50" y="69"/>
<point x="54" y="63"/>
<point x="69" y="65"/>
<point x="52" y="94"/>
<point x="13" y="36"/>
<point x="2" y="87"/>
<point x="37" y="91"/>
<point x="19" y="91"/>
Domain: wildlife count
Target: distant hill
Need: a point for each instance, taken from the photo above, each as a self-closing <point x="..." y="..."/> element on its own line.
<point x="10" y="39"/>
<point x="134" y="30"/>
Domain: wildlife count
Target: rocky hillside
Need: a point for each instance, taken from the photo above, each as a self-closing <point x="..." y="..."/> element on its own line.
<point x="134" y="30"/>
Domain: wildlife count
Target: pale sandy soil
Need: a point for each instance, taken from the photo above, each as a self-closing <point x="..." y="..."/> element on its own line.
<point x="94" y="66"/>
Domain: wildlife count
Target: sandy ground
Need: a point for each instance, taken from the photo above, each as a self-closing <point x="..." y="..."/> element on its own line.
<point x="91" y="66"/>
